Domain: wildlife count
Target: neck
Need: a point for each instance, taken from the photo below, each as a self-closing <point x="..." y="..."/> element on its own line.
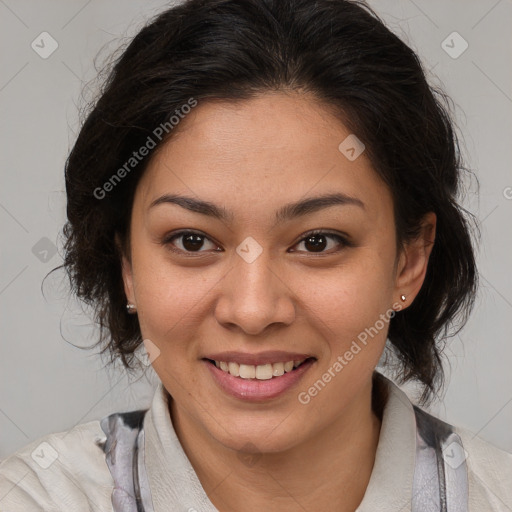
<point x="327" y="472"/>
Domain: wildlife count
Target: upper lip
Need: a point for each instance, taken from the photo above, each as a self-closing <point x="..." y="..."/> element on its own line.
<point x="267" y="357"/>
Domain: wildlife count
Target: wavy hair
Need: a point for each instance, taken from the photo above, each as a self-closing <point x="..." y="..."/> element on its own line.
<point x="337" y="50"/>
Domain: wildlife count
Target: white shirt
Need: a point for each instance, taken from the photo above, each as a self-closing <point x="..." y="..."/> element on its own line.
<point x="71" y="471"/>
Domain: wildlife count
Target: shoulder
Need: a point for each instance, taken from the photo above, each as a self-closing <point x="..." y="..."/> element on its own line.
<point x="488" y="468"/>
<point x="57" y="472"/>
<point x="489" y="473"/>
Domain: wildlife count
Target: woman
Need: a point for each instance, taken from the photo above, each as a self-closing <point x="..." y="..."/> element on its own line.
<point x="264" y="193"/>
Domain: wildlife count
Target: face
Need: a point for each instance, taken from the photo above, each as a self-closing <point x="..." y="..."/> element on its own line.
<point x="253" y="281"/>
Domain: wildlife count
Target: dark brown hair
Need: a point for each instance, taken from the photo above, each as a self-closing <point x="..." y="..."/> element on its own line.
<point x="340" y="52"/>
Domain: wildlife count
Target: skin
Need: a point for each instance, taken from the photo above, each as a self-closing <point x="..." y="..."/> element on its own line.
<point x="252" y="157"/>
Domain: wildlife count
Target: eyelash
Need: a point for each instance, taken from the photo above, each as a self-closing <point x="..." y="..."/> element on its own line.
<point x="167" y="241"/>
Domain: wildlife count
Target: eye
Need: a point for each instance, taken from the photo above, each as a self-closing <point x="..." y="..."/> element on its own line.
<point x="191" y="242"/>
<point x="317" y="241"/>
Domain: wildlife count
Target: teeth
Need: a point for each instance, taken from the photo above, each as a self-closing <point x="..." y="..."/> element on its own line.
<point x="247" y="371"/>
<point x="260" y="372"/>
<point x="234" y="369"/>
<point x="278" y="369"/>
<point x="264" y="371"/>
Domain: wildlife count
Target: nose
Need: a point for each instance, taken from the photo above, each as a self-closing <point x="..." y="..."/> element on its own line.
<point x="255" y="296"/>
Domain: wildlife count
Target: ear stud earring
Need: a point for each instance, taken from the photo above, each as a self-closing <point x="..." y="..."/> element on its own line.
<point x="131" y="308"/>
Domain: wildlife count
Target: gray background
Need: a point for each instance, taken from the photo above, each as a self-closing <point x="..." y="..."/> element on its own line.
<point x="48" y="385"/>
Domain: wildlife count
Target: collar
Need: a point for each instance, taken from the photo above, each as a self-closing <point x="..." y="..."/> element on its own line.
<point x="391" y="481"/>
<point x="173" y="480"/>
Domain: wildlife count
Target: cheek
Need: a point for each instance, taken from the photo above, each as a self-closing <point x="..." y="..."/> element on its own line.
<point x="352" y="293"/>
<point x="169" y="298"/>
<point x="348" y="305"/>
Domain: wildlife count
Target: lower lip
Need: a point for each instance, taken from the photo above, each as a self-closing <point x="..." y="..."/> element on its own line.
<point x="257" y="390"/>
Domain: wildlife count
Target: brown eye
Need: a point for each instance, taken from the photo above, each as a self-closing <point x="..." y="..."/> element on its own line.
<point x="190" y="242"/>
<point x="317" y="241"/>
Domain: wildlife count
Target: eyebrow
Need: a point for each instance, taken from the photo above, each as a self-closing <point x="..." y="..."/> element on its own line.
<point x="287" y="212"/>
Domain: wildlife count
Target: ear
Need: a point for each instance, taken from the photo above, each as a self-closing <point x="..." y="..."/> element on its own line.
<point x="126" y="269"/>
<point x="413" y="262"/>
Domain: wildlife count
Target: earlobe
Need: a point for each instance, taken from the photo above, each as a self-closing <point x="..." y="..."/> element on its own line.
<point x="414" y="261"/>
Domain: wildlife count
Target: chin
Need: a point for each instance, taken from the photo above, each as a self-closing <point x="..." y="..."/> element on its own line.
<point x="259" y="437"/>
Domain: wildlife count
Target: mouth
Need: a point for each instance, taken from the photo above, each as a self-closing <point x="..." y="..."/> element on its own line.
<point x="258" y="383"/>
<point x="266" y="371"/>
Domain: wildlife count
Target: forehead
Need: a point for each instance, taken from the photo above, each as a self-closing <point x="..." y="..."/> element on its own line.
<point x="260" y="153"/>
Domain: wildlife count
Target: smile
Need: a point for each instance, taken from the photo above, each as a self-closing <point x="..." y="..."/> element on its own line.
<point x="257" y="383"/>
<point x="260" y="372"/>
